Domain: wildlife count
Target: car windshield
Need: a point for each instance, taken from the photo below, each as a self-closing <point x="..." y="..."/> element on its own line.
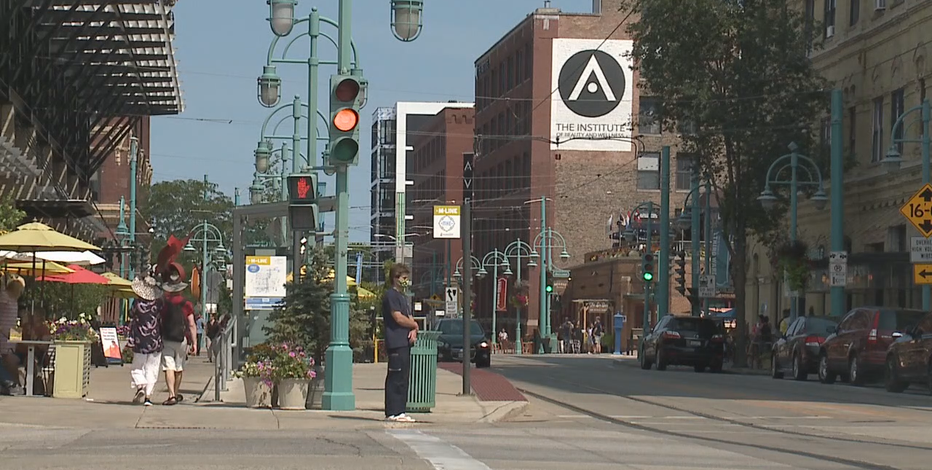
<point x="702" y="326"/>
<point x="898" y="320"/>
<point x="820" y="326"/>
<point x="453" y="327"/>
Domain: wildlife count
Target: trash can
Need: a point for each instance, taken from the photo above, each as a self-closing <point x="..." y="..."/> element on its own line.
<point x="422" y="385"/>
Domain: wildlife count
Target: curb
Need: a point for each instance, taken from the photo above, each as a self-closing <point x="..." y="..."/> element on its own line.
<point x="506" y="412"/>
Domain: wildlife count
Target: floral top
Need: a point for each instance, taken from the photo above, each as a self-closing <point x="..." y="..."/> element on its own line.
<point x="145" y="335"/>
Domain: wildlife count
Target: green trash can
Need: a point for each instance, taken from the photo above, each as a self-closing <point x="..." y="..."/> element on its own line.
<point x="422" y="385"/>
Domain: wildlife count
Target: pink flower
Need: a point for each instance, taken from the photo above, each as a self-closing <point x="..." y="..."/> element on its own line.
<point x="292" y="354"/>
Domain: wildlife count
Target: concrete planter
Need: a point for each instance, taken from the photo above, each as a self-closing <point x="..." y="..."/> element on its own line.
<point x="72" y="369"/>
<point x="258" y="393"/>
<point x="292" y="394"/>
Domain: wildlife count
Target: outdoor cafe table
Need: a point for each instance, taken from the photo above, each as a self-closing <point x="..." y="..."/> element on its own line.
<point x="31" y="361"/>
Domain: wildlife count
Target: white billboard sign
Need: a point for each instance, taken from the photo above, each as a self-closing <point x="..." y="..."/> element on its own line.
<point x="446" y="221"/>
<point x="594" y="80"/>
<point x="266" y="276"/>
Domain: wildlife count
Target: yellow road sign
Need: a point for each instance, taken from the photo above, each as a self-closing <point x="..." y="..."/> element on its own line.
<point x="918" y="210"/>
<point x="922" y="273"/>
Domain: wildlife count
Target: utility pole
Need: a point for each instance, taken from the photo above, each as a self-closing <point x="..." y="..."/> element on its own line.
<point x="695" y="306"/>
<point x="133" y="153"/>
<point x="663" y="289"/>
<point x="468" y="160"/>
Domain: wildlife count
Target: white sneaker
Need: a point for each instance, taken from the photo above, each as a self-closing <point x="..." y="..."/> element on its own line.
<point x="402" y="418"/>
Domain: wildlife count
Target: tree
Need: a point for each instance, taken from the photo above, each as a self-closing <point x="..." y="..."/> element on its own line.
<point x="304" y="317"/>
<point x="735" y="77"/>
<point x="10" y="216"/>
<point x="63" y="299"/>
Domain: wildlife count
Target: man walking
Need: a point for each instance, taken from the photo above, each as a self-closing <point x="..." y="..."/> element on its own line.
<point x="178" y="330"/>
<point x="400" y="334"/>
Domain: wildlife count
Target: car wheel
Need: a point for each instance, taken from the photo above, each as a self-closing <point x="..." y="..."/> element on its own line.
<point x="892" y="381"/>
<point x="799" y="370"/>
<point x="854" y="371"/>
<point x="826" y="376"/>
<point x="661" y="365"/>
<point x="775" y="371"/>
<point x="645" y="362"/>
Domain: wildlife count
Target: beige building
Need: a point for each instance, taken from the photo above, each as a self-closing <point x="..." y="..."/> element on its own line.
<point x="874" y="50"/>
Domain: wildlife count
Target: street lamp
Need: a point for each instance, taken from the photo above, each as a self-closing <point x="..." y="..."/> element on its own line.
<point x="545" y="242"/>
<point x="269" y="87"/>
<point x="406" y="19"/>
<point x="519" y="249"/>
<point x="494" y="259"/>
<point x="893" y="159"/>
<point x="767" y="197"/>
<point x="281" y="16"/>
<point x="262" y="153"/>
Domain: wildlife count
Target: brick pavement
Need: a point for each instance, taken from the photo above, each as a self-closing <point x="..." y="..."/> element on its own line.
<point x="487" y="385"/>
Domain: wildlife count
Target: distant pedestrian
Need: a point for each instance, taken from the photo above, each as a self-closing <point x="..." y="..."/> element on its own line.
<point x="597" y="332"/>
<point x="199" y="324"/>
<point x="145" y="338"/>
<point x="400" y="334"/>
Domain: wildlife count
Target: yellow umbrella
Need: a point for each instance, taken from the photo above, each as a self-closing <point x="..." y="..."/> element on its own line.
<point x="364" y="293"/>
<point x="350" y="282"/>
<point x="26" y="268"/>
<point x="117" y="282"/>
<point x="36" y="236"/>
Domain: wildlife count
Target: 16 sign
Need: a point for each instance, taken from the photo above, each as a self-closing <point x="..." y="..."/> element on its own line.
<point x="838" y="268"/>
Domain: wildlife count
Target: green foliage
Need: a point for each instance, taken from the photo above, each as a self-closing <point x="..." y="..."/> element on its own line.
<point x="10" y="216"/>
<point x="177" y="206"/>
<point x="304" y="317"/>
<point x="71" y="300"/>
<point x="736" y="78"/>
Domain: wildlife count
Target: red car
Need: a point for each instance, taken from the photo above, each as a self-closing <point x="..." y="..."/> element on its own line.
<point x="857" y="351"/>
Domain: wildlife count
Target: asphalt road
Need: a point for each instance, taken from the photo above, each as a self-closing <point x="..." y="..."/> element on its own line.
<point x="586" y="412"/>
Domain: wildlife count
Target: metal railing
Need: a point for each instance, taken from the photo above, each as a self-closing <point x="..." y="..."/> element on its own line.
<point x="223" y="360"/>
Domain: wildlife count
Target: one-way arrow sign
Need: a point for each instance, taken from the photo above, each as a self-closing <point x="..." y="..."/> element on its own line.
<point x="922" y="273"/>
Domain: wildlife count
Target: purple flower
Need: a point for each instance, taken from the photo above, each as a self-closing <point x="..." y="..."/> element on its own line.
<point x="292" y="354"/>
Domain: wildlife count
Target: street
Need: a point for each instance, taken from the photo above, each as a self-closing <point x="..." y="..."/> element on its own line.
<point x="593" y="411"/>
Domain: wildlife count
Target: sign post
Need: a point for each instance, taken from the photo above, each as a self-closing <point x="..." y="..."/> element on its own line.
<point x="451" y="302"/>
<point x="706" y="286"/>
<point x="838" y="268"/>
<point x="918" y="211"/>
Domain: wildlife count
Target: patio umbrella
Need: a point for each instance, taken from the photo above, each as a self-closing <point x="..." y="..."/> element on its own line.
<point x="82" y="258"/>
<point x="28" y="269"/>
<point x="119" y="287"/>
<point x="79" y="276"/>
<point x="35" y="236"/>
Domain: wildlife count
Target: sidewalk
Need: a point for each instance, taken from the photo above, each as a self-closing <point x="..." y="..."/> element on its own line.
<point x="369" y="388"/>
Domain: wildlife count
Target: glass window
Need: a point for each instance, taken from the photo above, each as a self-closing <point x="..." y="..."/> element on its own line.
<point x="820" y="326"/>
<point x="451" y="327"/>
<point x="926" y="324"/>
<point x="684" y="164"/>
<point x="649" y="116"/>
<point x="649" y="171"/>
<point x="854" y="10"/>
<point x="897" y="107"/>
<point x="899" y="320"/>
<point x="828" y="21"/>
<point x="877" y="131"/>
<point x="796" y="326"/>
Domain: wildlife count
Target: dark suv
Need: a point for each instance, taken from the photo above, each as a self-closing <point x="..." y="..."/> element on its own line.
<point x="857" y="351"/>
<point x="686" y="341"/>
<point x="909" y="360"/>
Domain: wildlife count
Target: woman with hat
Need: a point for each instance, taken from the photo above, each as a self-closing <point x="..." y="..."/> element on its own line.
<point x="145" y="337"/>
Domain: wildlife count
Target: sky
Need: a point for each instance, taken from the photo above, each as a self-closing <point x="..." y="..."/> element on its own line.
<point x="221" y="51"/>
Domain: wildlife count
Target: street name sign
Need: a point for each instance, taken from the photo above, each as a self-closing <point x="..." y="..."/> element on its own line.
<point x="838" y="268"/>
<point x="920" y="250"/>
<point x="922" y="274"/>
<point x="918" y="210"/>
<point x="446" y="222"/>
<point x="451" y="298"/>
<point x="706" y="285"/>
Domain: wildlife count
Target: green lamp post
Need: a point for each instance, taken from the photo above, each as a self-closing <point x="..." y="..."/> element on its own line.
<point x="767" y="198"/>
<point x="519" y="249"/>
<point x="495" y="259"/>
<point x="543" y="246"/>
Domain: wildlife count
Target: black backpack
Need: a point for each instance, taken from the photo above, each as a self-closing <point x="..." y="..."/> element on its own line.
<point x="174" y="324"/>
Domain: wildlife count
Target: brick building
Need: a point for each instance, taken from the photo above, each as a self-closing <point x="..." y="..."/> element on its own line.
<point x="559" y="116"/>
<point x="436" y="168"/>
<point x="876" y="53"/>
<point x="112" y="180"/>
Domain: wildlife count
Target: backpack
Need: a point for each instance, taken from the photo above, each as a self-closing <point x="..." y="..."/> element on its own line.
<point x="597" y="330"/>
<point x="174" y="324"/>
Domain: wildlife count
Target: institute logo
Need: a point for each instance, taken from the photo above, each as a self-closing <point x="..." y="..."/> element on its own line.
<point x="591" y="83"/>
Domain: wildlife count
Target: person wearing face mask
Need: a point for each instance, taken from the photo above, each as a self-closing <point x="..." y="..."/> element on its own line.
<point x="400" y="334"/>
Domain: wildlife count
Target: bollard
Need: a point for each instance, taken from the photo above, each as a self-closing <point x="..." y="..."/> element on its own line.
<point x="619" y="323"/>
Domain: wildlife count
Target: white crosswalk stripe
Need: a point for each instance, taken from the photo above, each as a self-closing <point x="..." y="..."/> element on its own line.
<point x="441" y="455"/>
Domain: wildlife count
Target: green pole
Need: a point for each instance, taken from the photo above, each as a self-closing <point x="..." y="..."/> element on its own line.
<point x="838" y="197"/>
<point x="338" y="380"/>
<point x="663" y="288"/>
<point x="518" y="304"/>
<point x="694" y="238"/>
<point x="926" y="289"/>
<point x="543" y="319"/>
<point x="707" y="233"/>
<point x="494" y="297"/>
<point x="313" y="63"/>
<point x="204" y="263"/>
<point x="650" y="228"/>
<point x="133" y="152"/>
<point x="794" y="214"/>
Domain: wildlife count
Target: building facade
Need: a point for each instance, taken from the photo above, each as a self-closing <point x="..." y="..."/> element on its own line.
<point x="560" y="118"/>
<point x="875" y="51"/>
<point x="393" y="130"/>
<point x="436" y="168"/>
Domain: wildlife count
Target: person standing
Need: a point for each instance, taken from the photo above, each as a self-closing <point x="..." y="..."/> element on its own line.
<point x="199" y="323"/>
<point x="597" y="332"/>
<point x="179" y="333"/>
<point x="400" y="334"/>
<point x="145" y="338"/>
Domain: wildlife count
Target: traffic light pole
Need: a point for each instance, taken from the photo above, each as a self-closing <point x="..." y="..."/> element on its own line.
<point x="544" y="317"/>
<point x="338" y="379"/>
<point x="694" y="240"/>
<point x="647" y="284"/>
<point x="663" y="289"/>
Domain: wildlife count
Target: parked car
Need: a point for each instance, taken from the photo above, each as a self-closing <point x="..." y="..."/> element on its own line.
<point x="857" y="351"/>
<point x="450" y="343"/>
<point x="909" y="359"/>
<point x="686" y="341"/>
<point x="798" y="349"/>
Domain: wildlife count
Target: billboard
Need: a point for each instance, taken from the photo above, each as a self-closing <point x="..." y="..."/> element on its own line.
<point x="592" y="104"/>
<point x="265" y="281"/>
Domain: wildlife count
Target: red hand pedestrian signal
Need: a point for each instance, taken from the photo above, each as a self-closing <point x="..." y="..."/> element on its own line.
<point x="303" y="188"/>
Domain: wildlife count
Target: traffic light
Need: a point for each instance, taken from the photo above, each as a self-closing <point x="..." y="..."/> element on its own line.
<point x="549" y="287"/>
<point x="346" y="96"/>
<point x="303" y="212"/>
<point x="680" y="271"/>
<point x="647" y="267"/>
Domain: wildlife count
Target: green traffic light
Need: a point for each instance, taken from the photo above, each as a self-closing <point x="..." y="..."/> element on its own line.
<point x="648" y="276"/>
<point x="549" y="289"/>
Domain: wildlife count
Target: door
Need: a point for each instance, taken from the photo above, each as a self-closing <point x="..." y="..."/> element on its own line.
<point x="784" y="345"/>
<point x="915" y="350"/>
<point x="837" y="348"/>
<point x="650" y="341"/>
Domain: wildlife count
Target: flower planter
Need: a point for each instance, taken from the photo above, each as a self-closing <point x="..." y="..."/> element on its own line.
<point x="292" y="394"/>
<point x="72" y="369"/>
<point x="315" y="391"/>
<point x="258" y="393"/>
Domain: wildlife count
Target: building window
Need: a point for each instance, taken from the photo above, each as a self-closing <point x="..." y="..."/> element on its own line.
<point x="852" y="130"/>
<point x="897" y="107"/>
<point x="877" y="131"/>
<point x="649" y="116"/>
<point x="854" y="12"/>
<point x="388" y="132"/>
<point x="519" y="66"/>
<point x="684" y="173"/>
<point x="528" y="60"/>
<point x="828" y="20"/>
<point x="649" y="171"/>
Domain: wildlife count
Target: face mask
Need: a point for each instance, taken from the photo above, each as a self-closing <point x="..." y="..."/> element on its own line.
<point x="405" y="283"/>
<point x="174" y="277"/>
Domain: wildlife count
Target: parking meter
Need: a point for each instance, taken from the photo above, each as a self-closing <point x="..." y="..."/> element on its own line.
<point x="619" y="324"/>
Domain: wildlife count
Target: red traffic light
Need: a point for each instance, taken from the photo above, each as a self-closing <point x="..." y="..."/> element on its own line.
<point x="346" y="120"/>
<point x="347" y="90"/>
<point x="649" y="258"/>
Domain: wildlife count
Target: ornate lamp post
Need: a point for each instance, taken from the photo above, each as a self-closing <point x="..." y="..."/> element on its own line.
<point x="518" y="249"/>
<point x="206" y="234"/>
<point x="813" y="179"/>
<point x="544" y="243"/>
<point x="494" y="259"/>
